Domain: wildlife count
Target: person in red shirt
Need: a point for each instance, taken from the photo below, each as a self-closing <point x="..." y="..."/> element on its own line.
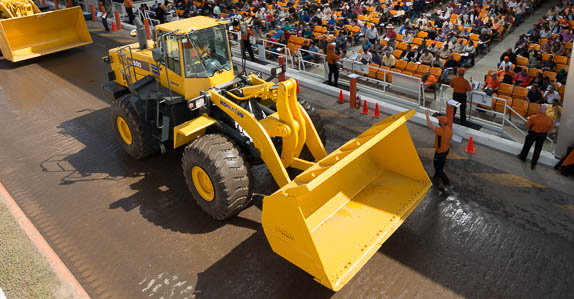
<point x="538" y="127"/>
<point x="443" y="134"/>
<point x="491" y="84"/>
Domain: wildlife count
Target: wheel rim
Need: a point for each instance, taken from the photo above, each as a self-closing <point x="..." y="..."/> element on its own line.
<point x="202" y="183"/>
<point x="124" y="130"/>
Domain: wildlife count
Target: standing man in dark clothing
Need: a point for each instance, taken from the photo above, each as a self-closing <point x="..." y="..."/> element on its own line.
<point x="160" y="12"/>
<point x="246" y="33"/>
<point x="443" y="134"/>
<point x="130" y="10"/>
<point x="460" y="87"/>
<point x="332" y="59"/>
<point x="104" y="15"/>
<point x="538" y="127"/>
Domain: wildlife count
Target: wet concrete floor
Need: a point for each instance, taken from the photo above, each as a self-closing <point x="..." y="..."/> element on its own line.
<point x="127" y="229"/>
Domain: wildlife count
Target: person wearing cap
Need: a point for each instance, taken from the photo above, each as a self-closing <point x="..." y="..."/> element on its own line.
<point x="551" y="95"/>
<point x="504" y="63"/>
<point x="538" y="127"/>
<point x="460" y="87"/>
<point x="332" y="59"/>
<point x="508" y="53"/>
<point x="443" y="134"/>
<point x="492" y="84"/>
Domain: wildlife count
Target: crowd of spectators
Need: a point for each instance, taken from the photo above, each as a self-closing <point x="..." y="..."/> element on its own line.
<point x="534" y="72"/>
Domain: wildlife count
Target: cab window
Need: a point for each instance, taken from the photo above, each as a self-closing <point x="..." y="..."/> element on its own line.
<point x="173" y="60"/>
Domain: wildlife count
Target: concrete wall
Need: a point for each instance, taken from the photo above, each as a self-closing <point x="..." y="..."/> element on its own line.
<point x="566" y="133"/>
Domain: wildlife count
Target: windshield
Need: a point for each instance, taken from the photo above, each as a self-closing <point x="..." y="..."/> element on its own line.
<point x="206" y="52"/>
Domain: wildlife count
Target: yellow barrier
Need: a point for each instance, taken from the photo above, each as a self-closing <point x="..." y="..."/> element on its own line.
<point x="27" y="37"/>
<point x="335" y="215"/>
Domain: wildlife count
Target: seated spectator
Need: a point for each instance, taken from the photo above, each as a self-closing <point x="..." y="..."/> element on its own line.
<point x="408" y="37"/>
<point x="534" y="95"/>
<point x="388" y="59"/>
<point x="437" y="62"/>
<point x="534" y="61"/>
<point x="467" y="55"/>
<point x="310" y="56"/>
<point x="484" y="40"/>
<point x="506" y="75"/>
<point x="433" y="48"/>
<point x="430" y="82"/>
<point x="491" y="84"/>
<point x="561" y="76"/>
<point x="538" y="80"/>
<point x="549" y="64"/>
<point x="451" y="62"/>
<point x="511" y="56"/>
<point x="554" y="111"/>
<point x="366" y="45"/>
<point x="547" y="47"/>
<point x="458" y="47"/>
<point x="366" y="57"/>
<point x="558" y="49"/>
<point x="551" y="95"/>
<point x="504" y="63"/>
<point x="376" y="57"/>
<point x="522" y="78"/>
<point x="426" y="58"/>
<point x="444" y="52"/>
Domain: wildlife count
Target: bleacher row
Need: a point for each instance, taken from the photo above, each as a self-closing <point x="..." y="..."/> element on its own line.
<point x="515" y="96"/>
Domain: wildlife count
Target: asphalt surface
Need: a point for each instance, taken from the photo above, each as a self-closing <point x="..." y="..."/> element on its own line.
<point x="128" y="229"/>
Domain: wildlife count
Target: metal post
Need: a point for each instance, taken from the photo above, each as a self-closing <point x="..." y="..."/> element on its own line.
<point x="56" y="4"/>
<point x="450" y="114"/>
<point x="43" y="2"/>
<point x="118" y="20"/>
<point x="353" y="90"/>
<point x="92" y="9"/>
<point x="282" y="77"/>
<point x="146" y="25"/>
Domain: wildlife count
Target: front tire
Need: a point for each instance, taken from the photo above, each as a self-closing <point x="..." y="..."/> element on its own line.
<point x="134" y="136"/>
<point x="217" y="176"/>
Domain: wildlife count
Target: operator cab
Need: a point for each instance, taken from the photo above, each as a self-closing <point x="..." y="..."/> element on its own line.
<point x="197" y="49"/>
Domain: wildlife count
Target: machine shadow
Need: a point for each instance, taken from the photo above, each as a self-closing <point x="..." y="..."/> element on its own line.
<point x="253" y="270"/>
<point x="157" y="187"/>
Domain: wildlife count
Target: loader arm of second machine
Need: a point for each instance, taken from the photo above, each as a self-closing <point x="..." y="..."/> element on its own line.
<point x="291" y="123"/>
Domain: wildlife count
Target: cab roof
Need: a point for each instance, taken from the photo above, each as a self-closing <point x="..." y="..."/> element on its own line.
<point x="189" y="24"/>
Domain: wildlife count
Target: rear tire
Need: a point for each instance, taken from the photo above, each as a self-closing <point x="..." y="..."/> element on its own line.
<point x="134" y="136"/>
<point x="228" y="187"/>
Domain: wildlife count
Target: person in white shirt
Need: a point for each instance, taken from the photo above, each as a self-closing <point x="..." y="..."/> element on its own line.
<point x="504" y="63"/>
<point x="366" y="57"/>
<point x="550" y="95"/>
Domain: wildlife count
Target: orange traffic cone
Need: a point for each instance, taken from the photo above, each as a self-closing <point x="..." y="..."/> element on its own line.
<point x="298" y="90"/>
<point x="470" y="147"/>
<point x="358" y="102"/>
<point x="113" y="26"/>
<point x="365" y="108"/>
<point x="377" y="113"/>
<point x="341" y="98"/>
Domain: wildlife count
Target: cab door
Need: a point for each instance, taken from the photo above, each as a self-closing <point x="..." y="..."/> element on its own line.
<point x="173" y="79"/>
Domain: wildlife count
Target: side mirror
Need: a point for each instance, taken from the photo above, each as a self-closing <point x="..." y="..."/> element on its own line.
<point x="157" y="54"/>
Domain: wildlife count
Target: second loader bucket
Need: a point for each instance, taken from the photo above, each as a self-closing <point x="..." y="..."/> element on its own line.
<point x="27" y="37"/>
<point x="333" y="217"/>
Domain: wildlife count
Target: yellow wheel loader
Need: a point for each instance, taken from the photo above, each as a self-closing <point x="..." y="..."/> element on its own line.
<point x="179" y="90"/>
<point x="26" y="32"/>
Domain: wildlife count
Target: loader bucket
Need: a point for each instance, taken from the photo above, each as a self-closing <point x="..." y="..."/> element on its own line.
<point x="23" y="38"/>
<point x="336" y="214"/>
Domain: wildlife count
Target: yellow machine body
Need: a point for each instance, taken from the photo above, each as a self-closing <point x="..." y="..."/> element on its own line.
<point x="332" y="217"/>
<point x="142" y="63"/>
<point x="25" y="32"/>
<point x="335" y="215"/>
